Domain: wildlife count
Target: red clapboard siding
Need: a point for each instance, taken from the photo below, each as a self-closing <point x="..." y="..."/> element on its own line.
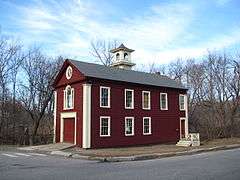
<point x="78" y="97"/>
<point x="165" y="124"/>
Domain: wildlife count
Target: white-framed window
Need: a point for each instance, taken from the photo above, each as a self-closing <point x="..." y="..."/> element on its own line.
<point x="69" y="72"/>
<point x="147" y="126"/>
<point x="105" y="126"/>
<point x="129" y="99"/>
<point x="104" y="97"/>
<point x="129" y="126"/>
<point x="68" y="98"/>
<point x="146" y="100"/>
<point x="182" y="102"/>
<point x="163" y="101"/>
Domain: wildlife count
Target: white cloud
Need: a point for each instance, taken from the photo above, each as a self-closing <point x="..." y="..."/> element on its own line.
<point x="69" y="26"/>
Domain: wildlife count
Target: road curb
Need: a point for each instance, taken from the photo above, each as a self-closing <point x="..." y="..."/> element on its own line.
<point x="62" y="153"/>
<point x="155" y="155"/>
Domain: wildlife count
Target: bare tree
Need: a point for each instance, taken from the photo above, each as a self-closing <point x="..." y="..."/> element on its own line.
<point x="176" y="70"/>
<point x="9" y="53"/>
<point x="37" y="92"/>
<point x="100" y="49"/>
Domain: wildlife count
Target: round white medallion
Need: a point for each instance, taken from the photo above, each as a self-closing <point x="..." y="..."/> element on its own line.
<point x="69" y="72"/>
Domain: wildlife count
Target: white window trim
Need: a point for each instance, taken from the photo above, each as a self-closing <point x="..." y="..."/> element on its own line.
<point x="109" y="126"/>
<point x="161" y="101"/>
<point x="109" y="96"/>
<point x="125" y="93"/>
<point x="184" y="106"/>
<point x="132" y="126"/>
<point x="149" y="102"/>
<point x="65" y="98"/>
<point x="150" y="126"/>
<point x="68" y="76"/>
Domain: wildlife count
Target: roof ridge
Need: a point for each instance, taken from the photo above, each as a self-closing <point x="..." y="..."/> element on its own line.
<point x="120" y="69"/>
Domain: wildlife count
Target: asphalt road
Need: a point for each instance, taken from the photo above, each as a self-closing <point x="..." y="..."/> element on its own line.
<point x="213" y="165"/>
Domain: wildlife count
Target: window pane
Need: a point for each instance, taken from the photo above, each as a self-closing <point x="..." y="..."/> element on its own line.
<point x="146" y="100"/>
<point x="129" y="126"/>
<point x="69" y="98"/>
<point x="146" y="126"/>
<point x="163" y="101"/>
<point x="146" y="121"/>
<point x="129" y="99"/>
<point x="182" y="103"/>
<point x="104" y="126"/>
<point x="146" y="129"/>
<point x="104" y="96"/>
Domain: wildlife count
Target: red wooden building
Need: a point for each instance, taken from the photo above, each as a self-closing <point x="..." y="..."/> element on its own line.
<point x="99" y="106"/>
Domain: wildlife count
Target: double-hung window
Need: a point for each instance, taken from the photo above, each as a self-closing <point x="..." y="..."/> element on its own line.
<point x="105" y="126"/>
<point x="68" y="98"/>
<point x="146" y="100"/>
<point x="163" y="101"/>
<point x="129" y="126"/>
<point x="129" y="99"/>
<point x="104" y="97"/>
<point x="182" y="102"/>
<point x="147" y="129"/>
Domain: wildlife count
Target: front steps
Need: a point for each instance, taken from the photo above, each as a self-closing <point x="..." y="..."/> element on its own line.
<point x="193" y="139"/>
<point x="184" y="143"/>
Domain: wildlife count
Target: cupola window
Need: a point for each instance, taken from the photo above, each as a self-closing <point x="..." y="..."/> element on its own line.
<point x="117" y="56"/>
<point x="125" y="56"/>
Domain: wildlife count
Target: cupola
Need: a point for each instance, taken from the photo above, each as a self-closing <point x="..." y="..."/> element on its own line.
<point x="122" y="57"/>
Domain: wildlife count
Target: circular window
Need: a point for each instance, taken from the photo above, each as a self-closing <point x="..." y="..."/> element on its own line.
<point x="69" y="72"/>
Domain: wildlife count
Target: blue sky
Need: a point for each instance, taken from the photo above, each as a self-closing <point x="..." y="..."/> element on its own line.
<point x="160" y="31"/>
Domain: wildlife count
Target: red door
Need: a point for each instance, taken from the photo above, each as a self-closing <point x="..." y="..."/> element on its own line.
<point x="69" y="130"/>
<point x="182" y="128"/>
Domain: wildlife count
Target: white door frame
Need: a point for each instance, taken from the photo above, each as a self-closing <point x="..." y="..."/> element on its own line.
<point x="185" y="123"/>
<point x="68" y="115"/>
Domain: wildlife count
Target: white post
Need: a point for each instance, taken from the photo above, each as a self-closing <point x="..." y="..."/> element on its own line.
<point x="54" y="116"/>
<point x="186" y="115"/>
<point x="86" y="141"/>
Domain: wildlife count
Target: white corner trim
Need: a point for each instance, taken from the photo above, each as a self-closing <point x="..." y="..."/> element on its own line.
<point x="86" y="136"/>
<point x="186" y="115"/>
<point x="125" y="96"/>
<point x="68" y="115"/>
<point x="109" y="96"/>
<point x="55" y="117"/>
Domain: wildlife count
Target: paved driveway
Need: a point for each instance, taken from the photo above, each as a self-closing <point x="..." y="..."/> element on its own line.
<point x="213" y="165"/>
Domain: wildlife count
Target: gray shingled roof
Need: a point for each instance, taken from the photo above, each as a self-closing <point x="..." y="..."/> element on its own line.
<point x="116" y="74"/>
<point x="121" y="47"/>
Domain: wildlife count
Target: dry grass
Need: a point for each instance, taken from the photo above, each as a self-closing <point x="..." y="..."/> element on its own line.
<point x="151" y="149"/>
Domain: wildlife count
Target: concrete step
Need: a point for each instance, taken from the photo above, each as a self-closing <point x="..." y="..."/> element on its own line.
<point x="184" y="143"/>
